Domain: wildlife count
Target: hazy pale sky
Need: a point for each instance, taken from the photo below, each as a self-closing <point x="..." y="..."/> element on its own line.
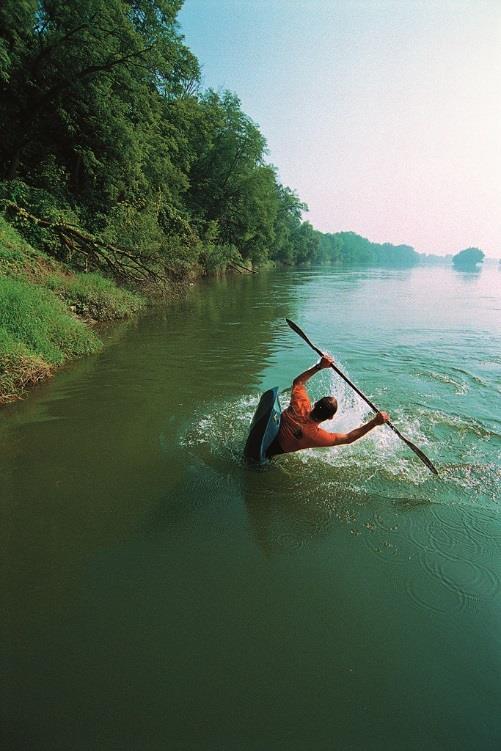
<point x="384" y="115"/>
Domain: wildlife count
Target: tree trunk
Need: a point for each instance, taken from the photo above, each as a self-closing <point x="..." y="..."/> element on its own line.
<point x="75" y="173"/>
<point x="12" y="173"/>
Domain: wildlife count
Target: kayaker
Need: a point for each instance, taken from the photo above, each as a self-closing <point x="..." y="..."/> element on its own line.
<point x="300" y="422"/>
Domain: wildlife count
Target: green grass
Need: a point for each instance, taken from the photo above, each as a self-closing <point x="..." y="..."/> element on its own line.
<point x="19" y="259"/>
<point x="37" y="318"/>
<point x="88" y="295"/>
<point x="94" y="296"/>
<point x="43" y="305"/>
<point x="19" y="368"/>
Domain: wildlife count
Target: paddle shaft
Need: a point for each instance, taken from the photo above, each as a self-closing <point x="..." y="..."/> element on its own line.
<point x="414" y="448"/>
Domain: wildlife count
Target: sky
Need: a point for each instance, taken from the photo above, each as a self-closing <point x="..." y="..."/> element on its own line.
<point x="383" y="115"/>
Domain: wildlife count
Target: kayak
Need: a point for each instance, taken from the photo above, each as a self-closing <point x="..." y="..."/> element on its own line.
<point x="264" y="427"/>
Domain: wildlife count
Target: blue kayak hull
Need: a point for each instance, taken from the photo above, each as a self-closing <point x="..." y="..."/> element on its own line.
<point x="264" y="427"/>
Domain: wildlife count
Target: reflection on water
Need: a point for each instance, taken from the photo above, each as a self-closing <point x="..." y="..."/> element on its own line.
<point x="467" y="274"/>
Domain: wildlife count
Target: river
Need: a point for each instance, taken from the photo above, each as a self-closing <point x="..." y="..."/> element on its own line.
<point x="160" y="595"/>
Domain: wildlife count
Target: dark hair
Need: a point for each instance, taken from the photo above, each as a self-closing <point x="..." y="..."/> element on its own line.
<point x="324" y="409"/>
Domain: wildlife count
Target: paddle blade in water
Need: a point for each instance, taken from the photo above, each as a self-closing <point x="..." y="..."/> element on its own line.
<point x="421" y="455"/>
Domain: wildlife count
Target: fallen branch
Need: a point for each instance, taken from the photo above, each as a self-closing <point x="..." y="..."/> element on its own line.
<point x="234" y="264"/>
<point x="119" y="261"/>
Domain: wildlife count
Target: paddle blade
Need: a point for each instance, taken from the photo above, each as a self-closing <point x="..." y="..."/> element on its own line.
<point x="422" y="456"/>
<point x="303" y="336"/>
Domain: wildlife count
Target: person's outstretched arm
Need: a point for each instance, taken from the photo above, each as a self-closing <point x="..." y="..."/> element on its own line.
<point x="325" y="362"/>
<point x="339" y="439"/>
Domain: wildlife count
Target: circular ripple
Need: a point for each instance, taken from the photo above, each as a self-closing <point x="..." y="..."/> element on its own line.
<point x="463" y="577"/>
<point x="431" y="595"/>
<point x="486" y="525"/>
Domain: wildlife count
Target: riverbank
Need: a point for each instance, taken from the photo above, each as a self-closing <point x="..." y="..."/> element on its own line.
<point x="48" y="313"/>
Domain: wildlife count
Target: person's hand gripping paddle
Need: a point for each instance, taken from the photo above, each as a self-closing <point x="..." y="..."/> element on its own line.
<point x="411" y="445"/>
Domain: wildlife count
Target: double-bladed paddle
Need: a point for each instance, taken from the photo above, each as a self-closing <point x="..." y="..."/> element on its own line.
<point x="417" y="451"/>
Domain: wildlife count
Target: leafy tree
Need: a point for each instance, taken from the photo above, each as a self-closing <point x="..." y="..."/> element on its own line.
<point x="229" y="181"/>
<point x="348" y="247"/>
<point x="330" y="248"/>
<point x="287" y="225"/>
<point x="89" y="84"/>
<point x="468" y="258"/>
<point x="103" y="122"/>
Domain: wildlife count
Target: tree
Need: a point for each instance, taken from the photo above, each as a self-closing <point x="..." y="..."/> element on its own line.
<point x="468" y="258"/>
<point x="348" y="247"/>
<point x="87" y="86"/>
<point x="287" y="239"/>
<point x="229" y="181"/>
<point x="103" y="120"/>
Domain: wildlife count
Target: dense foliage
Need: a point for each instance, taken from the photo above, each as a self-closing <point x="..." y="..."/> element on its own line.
<point x="106" y="129"/>
<point x="348" y="247"/>
<point x="105" y="125"/>
<point x="468" y="258"/>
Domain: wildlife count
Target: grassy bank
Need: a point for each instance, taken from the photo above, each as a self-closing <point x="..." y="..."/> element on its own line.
<point x="46" y="312"/>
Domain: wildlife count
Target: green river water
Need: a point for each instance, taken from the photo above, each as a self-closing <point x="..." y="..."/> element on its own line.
<point x="158" y="595"/>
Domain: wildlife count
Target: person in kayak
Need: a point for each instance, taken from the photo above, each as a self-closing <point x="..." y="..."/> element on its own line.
<point x="300" y="422"/>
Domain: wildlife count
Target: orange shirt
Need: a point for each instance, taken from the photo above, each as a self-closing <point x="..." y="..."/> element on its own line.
<point x="297" y="429"/>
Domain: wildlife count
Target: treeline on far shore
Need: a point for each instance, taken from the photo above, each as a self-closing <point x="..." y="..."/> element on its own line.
<point x="350" y="248"/>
